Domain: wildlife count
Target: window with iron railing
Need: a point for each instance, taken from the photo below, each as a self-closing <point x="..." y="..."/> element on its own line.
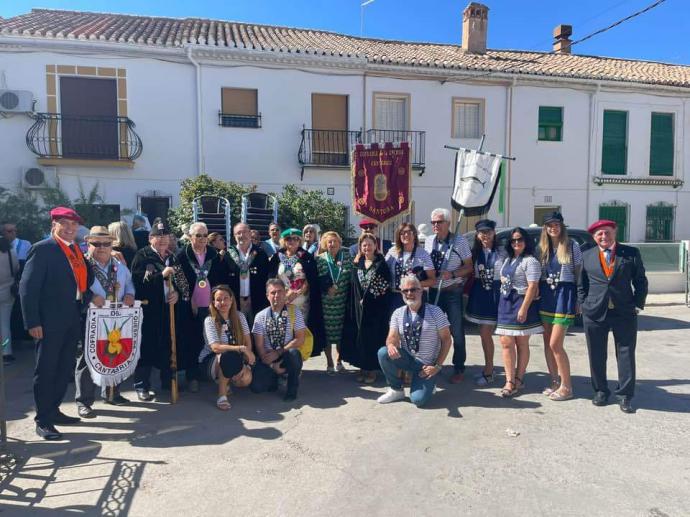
<point x="660" y="219"/>
<point x="239" y="108"/>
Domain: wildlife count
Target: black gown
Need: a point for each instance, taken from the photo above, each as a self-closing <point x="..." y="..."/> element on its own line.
<point x="368" y="314"/>
<point x="258" y="274"/>
<point x="315" y="318"/>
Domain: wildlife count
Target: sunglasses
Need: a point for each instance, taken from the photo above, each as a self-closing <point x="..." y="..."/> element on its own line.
<point x="517" y="241"/>
<point x="406" y="232"/>
<point x="292" y="238"/>
<point x="101" y="244"/>
<point x="434" y="223"/>
<point x="409" y="291"/>
<point x="200" y="235"/>
<point x="369" y="227"/>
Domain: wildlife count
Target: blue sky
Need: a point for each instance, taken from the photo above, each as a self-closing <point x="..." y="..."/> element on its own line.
<point x="659" y="35"/>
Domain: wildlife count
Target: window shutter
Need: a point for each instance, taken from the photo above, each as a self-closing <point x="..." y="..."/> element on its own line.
<point x="468" y="120"/>
<point x="619" y="215"/>
<point x="391" y="113"/>
<point x="661" y="145"/>
<point x="614" y="145"/>
<point x="659" y="223"/>
<point x="550" y="123"/>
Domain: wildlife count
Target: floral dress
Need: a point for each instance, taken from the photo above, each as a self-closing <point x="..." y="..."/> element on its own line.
<point x="291" y="272"/>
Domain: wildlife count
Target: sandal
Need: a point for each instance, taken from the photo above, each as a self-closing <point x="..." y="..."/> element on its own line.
<point x="519" y="385"/>
<point x="561" y="394"/>
<point x="483" y="379"/>
<point x="222" y="403"/>
<point x="507" y="393"/>
<point x="555" y="383"/>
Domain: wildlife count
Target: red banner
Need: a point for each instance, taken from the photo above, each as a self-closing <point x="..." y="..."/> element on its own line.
<point x="381" y="180"/>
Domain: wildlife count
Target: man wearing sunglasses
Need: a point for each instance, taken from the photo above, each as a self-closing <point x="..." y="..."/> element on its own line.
<point x="452" y="260"/>
<point x="112" y="282"/>
<point x="418" y="342"/>
<point x="204" y="269"/>
<point x="272" y="244"/>
<point x="371" y="226"/>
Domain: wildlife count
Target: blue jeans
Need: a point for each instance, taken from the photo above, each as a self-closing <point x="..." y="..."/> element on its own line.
<point x="421" y="389"/>
<point x="451" y="303"/>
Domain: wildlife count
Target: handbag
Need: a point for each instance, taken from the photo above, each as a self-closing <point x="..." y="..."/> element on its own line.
<point x="14" y="288"/>
<point x="308" y="345"/>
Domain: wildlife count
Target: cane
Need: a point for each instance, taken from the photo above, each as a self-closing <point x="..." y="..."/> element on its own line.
<point x="111" y="389"/>
<point x="173" y="348"/>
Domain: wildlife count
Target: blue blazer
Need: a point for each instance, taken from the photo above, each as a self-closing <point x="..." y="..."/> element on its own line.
<point x="48" y="287"/>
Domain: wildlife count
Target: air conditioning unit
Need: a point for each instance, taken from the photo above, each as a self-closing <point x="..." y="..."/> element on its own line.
<point x="34" y="178"/>
<point x="16" y="101"/>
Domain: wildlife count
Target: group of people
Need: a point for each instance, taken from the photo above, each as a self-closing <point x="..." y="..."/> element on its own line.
<point x="249" y="314"/>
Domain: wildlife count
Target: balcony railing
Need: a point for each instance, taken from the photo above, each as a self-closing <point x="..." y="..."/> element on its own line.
<point x="416" y="139"/>
<point x="54" y="135"/>
<point x="327" y="147"/>
<point x="231" y="120"/>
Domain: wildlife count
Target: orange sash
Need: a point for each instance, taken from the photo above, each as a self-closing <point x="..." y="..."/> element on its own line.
<point x="607" y="268"/>
<point x="77" y="263"/>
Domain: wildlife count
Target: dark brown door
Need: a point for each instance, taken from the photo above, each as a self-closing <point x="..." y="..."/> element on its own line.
<point x="89" y="118"/>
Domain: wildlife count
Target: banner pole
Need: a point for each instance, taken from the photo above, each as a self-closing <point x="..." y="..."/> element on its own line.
<point x="111" y="389"/>
<point x="173" y="348"/>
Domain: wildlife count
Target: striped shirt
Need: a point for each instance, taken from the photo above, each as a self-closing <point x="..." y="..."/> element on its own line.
<point x="442" y="262"/>
<point x="421" y="258"/>
<point x="211" y="335"/>
<point x="568" y="270"/>
<point x="429" y="342"/>
<point x="529" y="270"/>
<point x="501" y="256"/>
<point x="261" y="319"/>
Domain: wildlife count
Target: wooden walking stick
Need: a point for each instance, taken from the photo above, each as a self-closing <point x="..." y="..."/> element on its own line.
<point x="173" y="348"/>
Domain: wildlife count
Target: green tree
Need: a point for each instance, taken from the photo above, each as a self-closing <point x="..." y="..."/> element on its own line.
<point x="297" y="207"/>
<point x="24" y="209"/>
<point x="204" y="185"/>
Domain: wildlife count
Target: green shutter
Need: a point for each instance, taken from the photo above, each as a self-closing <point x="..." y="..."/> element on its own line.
<point x="550" y="123"/>
<point x="619" y="215"/>
<point x="659" y="223"/>
<point x="614" y="155"/>
<point x="661" y="145"/>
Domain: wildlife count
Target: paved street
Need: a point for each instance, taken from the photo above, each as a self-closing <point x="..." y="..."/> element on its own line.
<point x="336" y="452"/>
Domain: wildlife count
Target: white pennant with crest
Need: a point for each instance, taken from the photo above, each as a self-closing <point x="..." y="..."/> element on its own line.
<point x="476" y="179"/>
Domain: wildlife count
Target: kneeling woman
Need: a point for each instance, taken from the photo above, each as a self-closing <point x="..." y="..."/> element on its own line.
<point x="227" y="355"/>
<point x="518" y="313"/>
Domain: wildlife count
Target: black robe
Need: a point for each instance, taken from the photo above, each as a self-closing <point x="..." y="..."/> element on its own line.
<point x="367" y="317"/>
<point x="190" y="328"/>
<point x="258" y="274"/>
<point x="315" y="319"/>
<point x="147" y="275"/>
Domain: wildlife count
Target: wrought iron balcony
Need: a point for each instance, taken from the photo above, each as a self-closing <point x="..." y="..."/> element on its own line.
<point x="54" y="135"/>
<point x="231" y="120"/>
<point x="417" y="140"/>
<point x="327" y="147"/>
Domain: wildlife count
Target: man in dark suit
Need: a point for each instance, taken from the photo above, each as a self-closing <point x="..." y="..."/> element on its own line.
<point x="54" y="290"/>
<point x="612" y="288"/>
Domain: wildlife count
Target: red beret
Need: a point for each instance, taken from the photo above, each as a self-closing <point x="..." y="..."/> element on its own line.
<point x="367" y="222"/>
<point x="61" y="212"/>
<point x="601" y="223"/>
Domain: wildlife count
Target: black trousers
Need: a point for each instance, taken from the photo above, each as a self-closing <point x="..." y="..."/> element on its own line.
<point x="55" y="358"/>
<point x="265" y="379"/>
<point x="624" y="328"/>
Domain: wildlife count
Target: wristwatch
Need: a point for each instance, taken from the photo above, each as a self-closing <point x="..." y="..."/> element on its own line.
<point x="439" y="367"/>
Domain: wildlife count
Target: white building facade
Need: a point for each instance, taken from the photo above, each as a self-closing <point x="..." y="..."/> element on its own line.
<point x="591" y="146"/>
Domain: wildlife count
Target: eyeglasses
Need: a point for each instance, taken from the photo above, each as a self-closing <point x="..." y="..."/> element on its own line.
<point x="434" y="223"/>
<point x="517" y="241"/>
<point x="409" y="291"/>
<point x="406" y="232"/>
<point x="292" y="238"/>
<point x="101" y="244"/>
<point x="200" y="235"/>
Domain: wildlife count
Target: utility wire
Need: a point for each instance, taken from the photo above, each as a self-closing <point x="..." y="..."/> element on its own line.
<point x="585" y="38"/>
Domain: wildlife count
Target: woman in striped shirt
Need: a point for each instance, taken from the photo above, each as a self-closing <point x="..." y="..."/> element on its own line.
<point x="518" y="314"/>
<point x="560" y="259"/>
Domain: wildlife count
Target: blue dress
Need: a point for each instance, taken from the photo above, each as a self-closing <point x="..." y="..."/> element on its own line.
<point x="482" y="306"/>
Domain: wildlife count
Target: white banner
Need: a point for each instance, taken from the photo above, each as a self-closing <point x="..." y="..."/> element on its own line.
<point x="112" y="344"/>
<point x="476" y="179"/>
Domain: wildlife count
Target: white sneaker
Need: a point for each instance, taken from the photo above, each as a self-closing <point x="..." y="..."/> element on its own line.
<point x="391" y="396"/>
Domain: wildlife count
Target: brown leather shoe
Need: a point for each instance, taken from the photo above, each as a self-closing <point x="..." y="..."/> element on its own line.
<point x="457" y="378"/>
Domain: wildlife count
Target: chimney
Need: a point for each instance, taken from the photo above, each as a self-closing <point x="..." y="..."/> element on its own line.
<point x="475" y="24"/>
<point x="562" y="42"/>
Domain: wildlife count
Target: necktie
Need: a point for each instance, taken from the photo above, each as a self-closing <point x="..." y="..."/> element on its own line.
<point x="607" y="252"/>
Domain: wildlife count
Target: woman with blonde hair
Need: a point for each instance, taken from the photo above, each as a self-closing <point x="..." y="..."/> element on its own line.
<point x="124" y="242"/>
<point x="227" y="355"/>
<point x="311" y="238"/>
<point x="560" y="259"/>
<point x="334" y="266"/>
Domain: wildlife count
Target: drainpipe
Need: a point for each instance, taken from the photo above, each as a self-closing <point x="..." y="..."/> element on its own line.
<point x="509" y="150"/>
<point x="201" y="159"/>
<point x="364" y="104"/>
<point x="591" y="159"/>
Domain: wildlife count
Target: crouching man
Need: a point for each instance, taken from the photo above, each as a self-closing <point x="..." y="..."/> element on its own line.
<point x="279" y="332"/>
<point x="418" y="342"/>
